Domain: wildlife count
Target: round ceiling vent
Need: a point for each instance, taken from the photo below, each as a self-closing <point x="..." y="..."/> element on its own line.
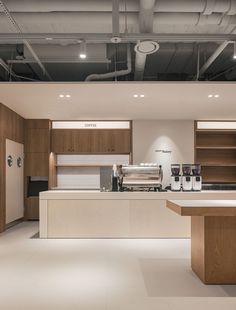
<point x="146" y="47"/>
<point x="115" y="39"/>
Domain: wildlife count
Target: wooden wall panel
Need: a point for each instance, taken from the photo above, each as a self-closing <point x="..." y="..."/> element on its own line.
<point x="11" y="127"/>
<point x="36" y="164"/>
<point x="37" y="140"/>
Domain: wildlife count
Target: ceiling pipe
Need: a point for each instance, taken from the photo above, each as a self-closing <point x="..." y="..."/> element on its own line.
<point x="115" y="18"/>
<point x="13" y="38"/>
<point x="204" y="6"/>
<point x="60" y="60"/>
<point x="11" y="72"/>
<point x="145" y="26"/>
<point x="213" y="57"/>
<point x="5" y="67"/>
<point x="110" y="75"/>
<point x="27" y="44"/>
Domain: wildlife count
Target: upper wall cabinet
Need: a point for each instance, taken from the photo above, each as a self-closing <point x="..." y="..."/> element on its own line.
<point x="91" y="141"/>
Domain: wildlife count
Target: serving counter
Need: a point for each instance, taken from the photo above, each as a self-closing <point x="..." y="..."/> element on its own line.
<point x="213" y="238"/>
<point x="94" y="214"/>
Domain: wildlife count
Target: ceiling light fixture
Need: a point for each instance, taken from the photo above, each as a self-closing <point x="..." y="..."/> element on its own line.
<point x="234" y="56"/>
<point x="68" y="96"/>
<point x="82" y="52"/>
<point x="138" y="96"/>
<point x="213" y="96"/>
<point x="61" y="96"/>
<point x="49" y="39"/>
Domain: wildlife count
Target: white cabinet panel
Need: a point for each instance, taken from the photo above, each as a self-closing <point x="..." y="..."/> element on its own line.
<point x="14" y="181"/>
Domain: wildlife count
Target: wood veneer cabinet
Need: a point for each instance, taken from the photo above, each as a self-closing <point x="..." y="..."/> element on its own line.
<point x="37" y="150"/>
<point x="215" y="150"/>
<point x="91" y="141"/>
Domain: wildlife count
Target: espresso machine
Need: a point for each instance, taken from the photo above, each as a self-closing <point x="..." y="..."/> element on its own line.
<point x="175" y="177"/>
<point x="142" y="177"/>
<point x="187" y="178"/>
<point x="197" y="179"/>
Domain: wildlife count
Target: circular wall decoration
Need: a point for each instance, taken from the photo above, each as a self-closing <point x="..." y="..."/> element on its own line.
<point x="19" y="162"/>
<point x="10" y="161"/>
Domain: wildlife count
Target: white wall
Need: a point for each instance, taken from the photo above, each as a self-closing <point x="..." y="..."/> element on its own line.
<point x="176" y="137"/>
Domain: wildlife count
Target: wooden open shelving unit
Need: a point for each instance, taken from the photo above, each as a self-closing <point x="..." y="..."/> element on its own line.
<point x="215" y="150"/>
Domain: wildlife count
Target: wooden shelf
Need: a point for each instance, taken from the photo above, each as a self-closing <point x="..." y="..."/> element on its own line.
<point x="215" y="150"/>
<point x="223" y="131"/>
<point x="216" y="147"/>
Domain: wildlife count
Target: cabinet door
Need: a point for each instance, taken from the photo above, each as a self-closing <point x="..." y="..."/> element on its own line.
<point x="121" y="141"/>
<point x="82" y="141"/>
<point x="62" y="141"/>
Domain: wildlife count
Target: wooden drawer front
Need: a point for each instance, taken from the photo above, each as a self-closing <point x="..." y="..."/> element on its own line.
<point x="36" y="164"/>
<point x="37" y="141"/>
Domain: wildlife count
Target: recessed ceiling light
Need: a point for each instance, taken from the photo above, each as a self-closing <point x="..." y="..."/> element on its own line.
<point x="49" y="39"/>
<point x="135" y="96"/>
<point x="141" y="96"/>
<point x="217" y="96"/>
<point x="68" y="96"/>
<point x="210" y="96"/>
<point x="61" y="96"/>
<point x="82" y="56"/>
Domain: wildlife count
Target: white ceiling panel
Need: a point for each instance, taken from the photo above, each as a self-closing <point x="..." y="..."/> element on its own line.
<point x="90" y="101"/>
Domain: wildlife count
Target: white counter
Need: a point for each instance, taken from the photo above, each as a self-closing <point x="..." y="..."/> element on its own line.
<point x="94" y="214"/>
<point x="95" y="194"/>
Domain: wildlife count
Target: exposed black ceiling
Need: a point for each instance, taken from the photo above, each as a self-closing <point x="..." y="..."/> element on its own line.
<point x="41" y="42"/>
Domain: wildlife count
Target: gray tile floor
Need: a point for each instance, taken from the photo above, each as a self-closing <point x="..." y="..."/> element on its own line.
<point x="107" y="274"/>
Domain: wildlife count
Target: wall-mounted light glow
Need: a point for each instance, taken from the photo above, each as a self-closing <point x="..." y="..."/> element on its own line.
<point x="82" y="51"/>
<point x="234" y="56"/>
